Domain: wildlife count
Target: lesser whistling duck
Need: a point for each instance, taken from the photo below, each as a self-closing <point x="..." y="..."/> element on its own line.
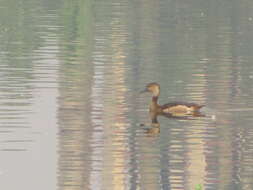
<point x="173" y="108"/>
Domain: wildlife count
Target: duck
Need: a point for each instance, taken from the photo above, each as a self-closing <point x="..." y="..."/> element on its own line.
<point x="172" y="108"/>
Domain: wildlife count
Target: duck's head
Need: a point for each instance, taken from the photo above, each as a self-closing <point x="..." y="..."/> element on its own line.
<point x="153" y="87"/>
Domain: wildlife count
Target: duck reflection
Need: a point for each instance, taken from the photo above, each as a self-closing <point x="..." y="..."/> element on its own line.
<point x="155" y="125"/>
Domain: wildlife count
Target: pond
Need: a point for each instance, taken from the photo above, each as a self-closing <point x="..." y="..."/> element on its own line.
<point x="72" y="117"/>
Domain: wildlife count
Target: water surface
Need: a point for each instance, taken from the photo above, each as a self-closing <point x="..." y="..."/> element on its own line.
<point x="71" y="116"/>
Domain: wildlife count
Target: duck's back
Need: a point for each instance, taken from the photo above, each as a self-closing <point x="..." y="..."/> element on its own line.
<point x="180" y="107"/>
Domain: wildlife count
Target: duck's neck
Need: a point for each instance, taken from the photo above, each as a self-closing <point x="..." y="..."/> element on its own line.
<point x="154" y="106"/>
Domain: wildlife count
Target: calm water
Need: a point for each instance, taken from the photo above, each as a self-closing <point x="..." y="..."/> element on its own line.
<point x="72" y="118"/>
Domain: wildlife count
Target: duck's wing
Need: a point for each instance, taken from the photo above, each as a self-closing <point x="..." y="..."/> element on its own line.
<point x="181" y="106"/>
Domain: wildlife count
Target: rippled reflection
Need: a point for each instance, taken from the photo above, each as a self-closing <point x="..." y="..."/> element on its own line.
<point x="29" y="71"/>
<point x="109" y="106"/>
<point x="71" y="116"/>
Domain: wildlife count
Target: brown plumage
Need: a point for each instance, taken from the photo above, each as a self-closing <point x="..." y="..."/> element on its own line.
<point x="173" y="108"/>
